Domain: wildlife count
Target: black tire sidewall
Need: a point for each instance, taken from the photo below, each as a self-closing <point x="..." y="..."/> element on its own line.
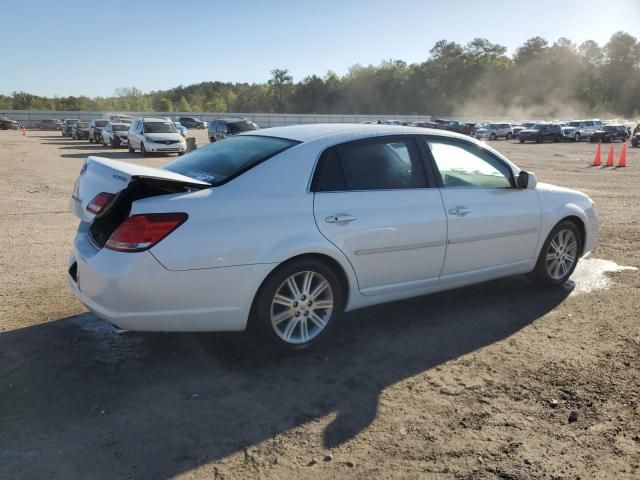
<point x="540" y="274"/>
<point x="260" y="321"/>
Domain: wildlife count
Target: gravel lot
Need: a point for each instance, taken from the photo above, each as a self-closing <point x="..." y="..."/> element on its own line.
<point x="476" y="383"/>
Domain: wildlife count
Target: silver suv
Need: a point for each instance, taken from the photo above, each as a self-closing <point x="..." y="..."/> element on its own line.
<point x="581" y="129"/>
<point x="495" y="130"/>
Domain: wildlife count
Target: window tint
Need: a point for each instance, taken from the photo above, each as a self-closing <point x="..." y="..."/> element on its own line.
<point x="245" y="126"/>
<point x="220" y="161"/>
<point x="329" y="176"/>
<point x="376" y="164"/>
<point x="464" y="165"/>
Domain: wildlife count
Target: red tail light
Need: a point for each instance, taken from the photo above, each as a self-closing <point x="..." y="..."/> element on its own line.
<point x="141" y="232"/>
<point x="99" y="202"/>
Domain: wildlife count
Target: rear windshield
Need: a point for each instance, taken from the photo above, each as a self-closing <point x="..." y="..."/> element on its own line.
<point x="239" y="127"/>
<point x="219" y="162"/>
<point x="120" y="128"/>
<point x="159" y="127"/>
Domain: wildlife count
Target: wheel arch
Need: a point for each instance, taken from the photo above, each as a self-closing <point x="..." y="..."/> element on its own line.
<point x="578" y="222"/>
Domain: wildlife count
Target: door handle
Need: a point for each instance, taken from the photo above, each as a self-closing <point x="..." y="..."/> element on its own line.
<point x="459" y="211"/>
<point x="340" y="218"/>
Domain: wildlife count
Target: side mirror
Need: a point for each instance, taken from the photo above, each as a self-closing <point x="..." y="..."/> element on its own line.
<point x="526" y="180"/>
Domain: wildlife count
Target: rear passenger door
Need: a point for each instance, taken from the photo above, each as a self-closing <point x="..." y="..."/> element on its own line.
<point x="375" y="203"/>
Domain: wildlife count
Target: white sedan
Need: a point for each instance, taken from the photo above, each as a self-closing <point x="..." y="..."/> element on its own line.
<point x="283" y="229"/>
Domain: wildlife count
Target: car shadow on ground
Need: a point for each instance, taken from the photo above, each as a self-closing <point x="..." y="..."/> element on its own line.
<point x="86" y="402"/>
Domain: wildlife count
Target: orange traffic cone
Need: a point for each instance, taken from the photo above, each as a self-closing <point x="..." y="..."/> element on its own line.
<point x="610" y="157"/>
<point x="24" y="132"/>
<point x="597" y="159"/>
<point x="623" y="156"/>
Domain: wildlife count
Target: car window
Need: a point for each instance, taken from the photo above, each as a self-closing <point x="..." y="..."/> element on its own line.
<point x="329" y="176"/>
<point x="238" y="127"/>
<point x="462" y="165"/>
<point x="375" y="164"/>
<point x="159" y="127"/>
<point x="218" y="162"/>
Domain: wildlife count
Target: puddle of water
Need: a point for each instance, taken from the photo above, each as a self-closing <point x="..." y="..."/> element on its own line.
<point x="591" y="274"/>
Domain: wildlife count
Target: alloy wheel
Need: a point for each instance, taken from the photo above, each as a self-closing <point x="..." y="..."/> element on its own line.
<point x="562" y="254"/>
<point x="301" y="307"/>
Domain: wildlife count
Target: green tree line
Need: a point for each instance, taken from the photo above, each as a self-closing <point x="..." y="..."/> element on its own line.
<point x="540" y="78"/>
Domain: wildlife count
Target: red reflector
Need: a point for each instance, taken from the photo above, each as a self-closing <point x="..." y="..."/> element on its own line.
<point x="99" y="201"/>
<point x="140" y="232"/>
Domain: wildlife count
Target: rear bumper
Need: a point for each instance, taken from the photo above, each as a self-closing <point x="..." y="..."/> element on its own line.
<point x="135" y="292"/>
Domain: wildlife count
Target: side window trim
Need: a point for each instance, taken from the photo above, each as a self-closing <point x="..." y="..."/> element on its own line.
<point x="434" y="166"/>
<point x="409" y="138"/>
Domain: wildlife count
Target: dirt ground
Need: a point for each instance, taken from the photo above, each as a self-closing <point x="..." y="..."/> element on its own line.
<point x="476" y="383"/>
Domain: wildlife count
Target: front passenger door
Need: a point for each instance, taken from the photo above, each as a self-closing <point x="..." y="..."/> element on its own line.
<point x="492" y="225"/>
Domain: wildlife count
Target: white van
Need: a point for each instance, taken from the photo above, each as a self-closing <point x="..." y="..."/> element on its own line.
<point x="156" y="135"/>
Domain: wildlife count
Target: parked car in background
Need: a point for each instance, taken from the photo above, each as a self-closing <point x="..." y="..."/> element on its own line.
<point x="225" y="127"/>
<point x="192" y="122"/>
<point x="67" y="126"/>
<point x="582" y="129"/>
<point x="635" y="139"/>
<point x="521" y="126"/>
<point x="115" y="134"/>
<point x="610" y="133"/>
<point x="120" y="118"/>
<point x="541" y="132"/>
<point x="181" y="128"/>
<point x="433" y="125"/>
<point x="493" y="131"/>
<point x="157" y="135"/>
<point x="50" y="124"/>
<point x="80" y="130"/>
<point x="95" y="130"/>
<point x="7" y="123"/>
<point x="284" y="229"/>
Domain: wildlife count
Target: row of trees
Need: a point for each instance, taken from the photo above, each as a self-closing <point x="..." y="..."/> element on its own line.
<point x="479" y="78"/>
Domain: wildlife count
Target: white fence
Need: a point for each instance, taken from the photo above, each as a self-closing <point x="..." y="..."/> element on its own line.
<point x="30" y="118"/>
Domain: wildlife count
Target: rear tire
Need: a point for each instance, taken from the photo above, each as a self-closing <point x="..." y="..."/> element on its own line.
<point x="298" y="305"/>
<point x="559" y="255"/>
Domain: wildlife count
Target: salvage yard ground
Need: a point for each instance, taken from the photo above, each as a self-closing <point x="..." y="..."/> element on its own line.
<point x="475" y="383"/>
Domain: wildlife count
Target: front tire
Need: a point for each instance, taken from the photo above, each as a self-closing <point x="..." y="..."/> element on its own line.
<point x="509" y="136"/>
<point x="559" y="255"/>
<point x="492" y="136"/>
<point x="297" y="305"/>
<point x="143" y="152"/>
<point x="576" y="137"/>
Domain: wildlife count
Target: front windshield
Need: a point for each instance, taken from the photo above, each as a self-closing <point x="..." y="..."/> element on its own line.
<point x="219" y="161"/>
<point x="238" y="127"/>
<point x="71" y="122"/>
<point x="159" y="127"/>
<point x="539" y="126"/>
<point x="82" y="124"/>
<point x="101" y="123"/>
<point x="120" y="128"/>
<point x="574" y="124"/>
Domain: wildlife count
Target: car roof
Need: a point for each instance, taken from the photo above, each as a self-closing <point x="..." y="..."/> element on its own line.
<point x="153" y="119"/>
<point x="345" y="131"/>
<point x="232" y="119"/>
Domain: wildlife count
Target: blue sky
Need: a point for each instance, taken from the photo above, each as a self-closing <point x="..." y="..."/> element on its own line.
<point x="70" y="47"/>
